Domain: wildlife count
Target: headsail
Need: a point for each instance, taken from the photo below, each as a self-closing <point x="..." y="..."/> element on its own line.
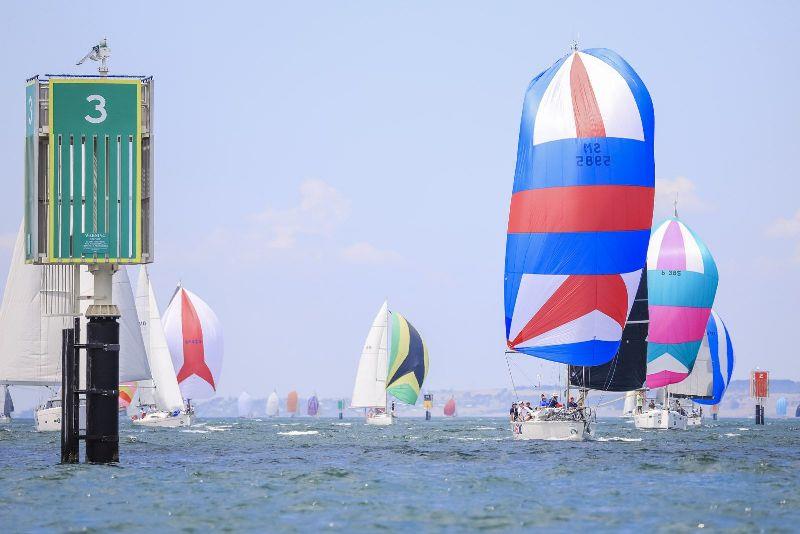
<point x="722" y="357"/>
<point x="369" y="390"/>
<point x="627" y="370"/>
<point x="313" y="406"/>
<point x="682" y="282"/>
<point x="408" y="360"/>
<point x="581" y="209"/>
<point x="194" y="337"/>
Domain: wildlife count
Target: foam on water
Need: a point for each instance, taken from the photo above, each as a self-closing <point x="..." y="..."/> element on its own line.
<point x="299" y="433"/>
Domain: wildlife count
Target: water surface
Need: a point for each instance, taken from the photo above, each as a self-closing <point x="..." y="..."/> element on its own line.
<point x="446" y="475"/>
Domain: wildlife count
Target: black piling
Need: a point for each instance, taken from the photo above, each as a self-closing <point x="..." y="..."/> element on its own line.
<point x="759" y="414"/>
<point x="102" y="393"/>
<point x="69" y="395"/>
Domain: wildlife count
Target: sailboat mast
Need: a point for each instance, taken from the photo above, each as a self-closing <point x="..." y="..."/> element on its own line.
<point x="386" y="348"/>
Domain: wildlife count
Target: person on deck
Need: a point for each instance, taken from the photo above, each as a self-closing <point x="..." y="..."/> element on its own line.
<point x="544" y="403"/>
<point x="572" y="403"/>
<point x="554" y="401"/>
<point x="639" y="403"/>
<point x="513" y="414"/>
<point x="652" y="404"/>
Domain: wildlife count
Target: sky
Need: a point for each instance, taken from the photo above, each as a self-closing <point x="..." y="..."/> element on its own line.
<point x="314" y="158"/>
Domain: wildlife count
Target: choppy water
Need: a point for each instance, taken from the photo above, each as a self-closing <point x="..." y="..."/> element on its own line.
<point x="455" y="475"/>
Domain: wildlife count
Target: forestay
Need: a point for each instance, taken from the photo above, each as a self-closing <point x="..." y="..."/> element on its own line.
<point x="581" y="209"/>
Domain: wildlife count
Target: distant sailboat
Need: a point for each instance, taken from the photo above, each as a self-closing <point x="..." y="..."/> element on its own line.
<point x="579" y="221"/>
<point x="194" y="338"/>
<point x="6" y="405"/>
<point x="244" y="405"/>
<point x="450" y="408"/>
<point x="313" y="406"/>
<point x="272" y="405"/>
<point x="797" y="411"/>
<point x="160" y="403"/>
<point x="394" y="361"/>
<point x="291" y="403"/>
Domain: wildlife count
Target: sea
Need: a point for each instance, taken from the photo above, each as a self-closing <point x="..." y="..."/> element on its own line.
<point x="445" y="475"/>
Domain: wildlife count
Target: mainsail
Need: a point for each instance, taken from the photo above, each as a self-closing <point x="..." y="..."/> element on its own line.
<point x="313" y="406"/>
<point x="291" y="403"/>
<point x="272" y="405"/>
<point x="30" y="334"/>
<point x="682" y="282"/>
<point x="581" y="209"/>
<point x="627" y="370"/>
<point x="722" y="357"/>
<point x="408" y="360"/>
<point x="194" y="338"/>
<point x="370" y="387"/>
<point x="163" y="390"/>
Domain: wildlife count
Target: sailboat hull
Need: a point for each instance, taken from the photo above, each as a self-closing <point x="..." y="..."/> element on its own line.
<point x="49" y="419"/>
<point x="660" y="419"/>
<point x="5" y="420"/>
<point x="552" y="430"/>
<point x="163" y="419"/>
<point x="380" y="419"/>
<point x="694" y="421"/>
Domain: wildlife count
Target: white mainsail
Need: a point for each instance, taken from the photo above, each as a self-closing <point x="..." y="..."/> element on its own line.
<point x="700" y="382"/>
<point x="370" y="387"/>
<point x="163" y="390"/>
<point x="133" y="364"/>
<point x="30" y="337"/>
<point x="272" y="404"/>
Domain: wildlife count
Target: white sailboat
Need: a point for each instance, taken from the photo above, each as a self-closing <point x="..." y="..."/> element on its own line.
<point x="6" y="405"/>
<point x="160" y="403"/>
<point x="698" y="385"/>
<point x="244" y="405"/>
<point x="272" y="405"/>
<point x="369" y="391"/>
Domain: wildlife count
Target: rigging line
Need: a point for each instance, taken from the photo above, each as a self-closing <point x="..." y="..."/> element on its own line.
<point x="522" y="371"/>
<point x="511" y="375"/>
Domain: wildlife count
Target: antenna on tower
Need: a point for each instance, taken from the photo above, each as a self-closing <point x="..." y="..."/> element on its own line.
<point x="99" y="52"/>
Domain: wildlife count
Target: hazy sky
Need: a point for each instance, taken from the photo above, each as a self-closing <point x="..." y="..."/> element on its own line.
<point x="313" y="158"/>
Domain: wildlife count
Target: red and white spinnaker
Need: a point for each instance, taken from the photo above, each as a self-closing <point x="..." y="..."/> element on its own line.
<point x="194" y="336"/>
